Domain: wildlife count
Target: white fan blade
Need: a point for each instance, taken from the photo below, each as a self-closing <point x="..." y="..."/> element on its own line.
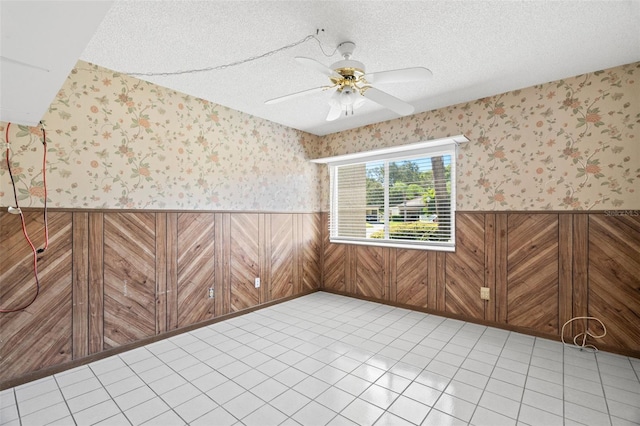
<point x="334" y="113"/>
<point x="296" y="95"/>
<point x="388" y="101"/>
<point x="312" y="63"/>
<point x="399" y="76"/>
<point x="336" y="108"/>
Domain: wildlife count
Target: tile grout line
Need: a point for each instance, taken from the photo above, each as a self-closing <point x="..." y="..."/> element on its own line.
<point x="604" y="392"/>
<point x="64" y="398"/>
<point x="492" y="370"/>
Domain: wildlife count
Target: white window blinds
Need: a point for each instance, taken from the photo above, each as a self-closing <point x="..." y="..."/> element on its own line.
<point x="396" y="197"/>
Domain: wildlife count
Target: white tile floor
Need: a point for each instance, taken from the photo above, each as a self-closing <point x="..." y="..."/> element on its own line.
<point x="327" y="359"/>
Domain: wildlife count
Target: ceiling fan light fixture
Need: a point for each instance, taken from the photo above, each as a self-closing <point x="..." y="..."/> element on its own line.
<point x="348" y="97"/>
<point x="352" y="86"/>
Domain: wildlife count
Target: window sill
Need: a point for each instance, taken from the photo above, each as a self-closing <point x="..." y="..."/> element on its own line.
<point x="445" y="247"/>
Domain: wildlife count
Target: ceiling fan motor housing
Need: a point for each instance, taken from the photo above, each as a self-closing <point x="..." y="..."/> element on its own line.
<point x="347" y="66"/>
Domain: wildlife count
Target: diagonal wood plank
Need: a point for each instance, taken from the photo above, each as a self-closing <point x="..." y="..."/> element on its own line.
<point x="195" y="267"/>
<point x="41" y="335"/>
<point x="282" y="258"/>
<point x="465" y="267"/>
<point x="532" y="271"/>
<point x="412" y="275"/>
<point x="245" y="260"/>
<point x="129" y="277"/>
<point x="311" y="246"/>
<point x="369" y="271"/>
<point x="334" y="258"/>
<point x="614" y="282"/>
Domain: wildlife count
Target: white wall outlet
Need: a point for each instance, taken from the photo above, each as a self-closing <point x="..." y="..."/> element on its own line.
<point x="210" y="292"/>
<point x="257" y="282"/>
<point x="485" y="293"/>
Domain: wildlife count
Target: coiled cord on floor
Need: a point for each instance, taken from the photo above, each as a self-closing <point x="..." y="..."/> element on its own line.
<point x="585" y="334"/>
<point x="17" y="210"/>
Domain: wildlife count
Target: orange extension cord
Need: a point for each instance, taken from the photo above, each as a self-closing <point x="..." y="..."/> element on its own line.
<point x="24" y="226"/>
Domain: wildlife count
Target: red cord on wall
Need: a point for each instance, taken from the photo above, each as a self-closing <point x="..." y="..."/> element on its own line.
<point x="24" y="225"/>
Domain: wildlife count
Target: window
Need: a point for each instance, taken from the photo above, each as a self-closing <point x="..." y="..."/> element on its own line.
<point x="398" y="197"/>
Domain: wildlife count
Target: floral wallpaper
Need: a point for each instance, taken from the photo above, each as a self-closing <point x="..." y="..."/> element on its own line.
<point x="572" y="144"/>
<point x="114" y="141"/>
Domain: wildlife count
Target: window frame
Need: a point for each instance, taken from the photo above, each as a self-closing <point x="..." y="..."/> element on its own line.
<point x="431" y="148"/>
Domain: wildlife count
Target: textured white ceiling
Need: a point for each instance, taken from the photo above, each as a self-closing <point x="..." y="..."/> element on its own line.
<point x="474" y="48"/>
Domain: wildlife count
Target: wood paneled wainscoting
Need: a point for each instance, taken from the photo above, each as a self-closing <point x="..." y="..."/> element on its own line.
<point x="542" y="269"/>
<point x="110" y="279"/>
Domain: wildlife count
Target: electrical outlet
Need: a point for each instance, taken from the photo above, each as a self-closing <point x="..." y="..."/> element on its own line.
<point x="210" y="292"/>
<point x="257" y="282"/>
<point x="484" y="293"/>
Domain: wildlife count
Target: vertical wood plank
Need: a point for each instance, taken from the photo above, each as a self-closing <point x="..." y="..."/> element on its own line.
<point x="80" y="280"/>
<point x="349" y="283"/>
<point x="580" y="265"/>
<point x="161" y="273"/>
<point x="490" y="265"/>
<point x="390" y="270"/>
<point x="264" y="258"/>
<point x="298" y="252"/>
<point x="222" y="249"/>
<point x="432" y="280"/>
<point x="565" y="268"/>
<point x="352" y="269"/>
<point x="441" y="280"/>
<point x="96" y="282"/>
<point x="324" y="245"/>
<point x="501" y="267"/>
<point x="172" y="271"/>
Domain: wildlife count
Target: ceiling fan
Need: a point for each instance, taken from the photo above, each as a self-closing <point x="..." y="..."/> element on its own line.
<point x="353" y="86"/>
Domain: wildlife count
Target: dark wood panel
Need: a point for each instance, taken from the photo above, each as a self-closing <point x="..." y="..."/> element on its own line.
<point x="565" y="273"/>
<point x="281" y="256"/>
<point x="580" y="265"/>
<point x="195" y="267"/>
<point x="433" y="289"/>
<point x="501" y="268"/>
<point x="489" y="265"/>
<point x="614" y="282"/>
<point x="465" y="268"/>
<point x="244" y="261"/>
<point x="412" y="277"/>
<point x="80" y="281"/>
<point x="41" y="335"/>
<point x="129" y="277"/>
<point x="532" y="272"/>
<point x="172" y="271"/>
<point x="369" y="271"/>
<point x="96" y="282"/>
<point x="161" y="272"/>
<point x="222" y="270"/>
